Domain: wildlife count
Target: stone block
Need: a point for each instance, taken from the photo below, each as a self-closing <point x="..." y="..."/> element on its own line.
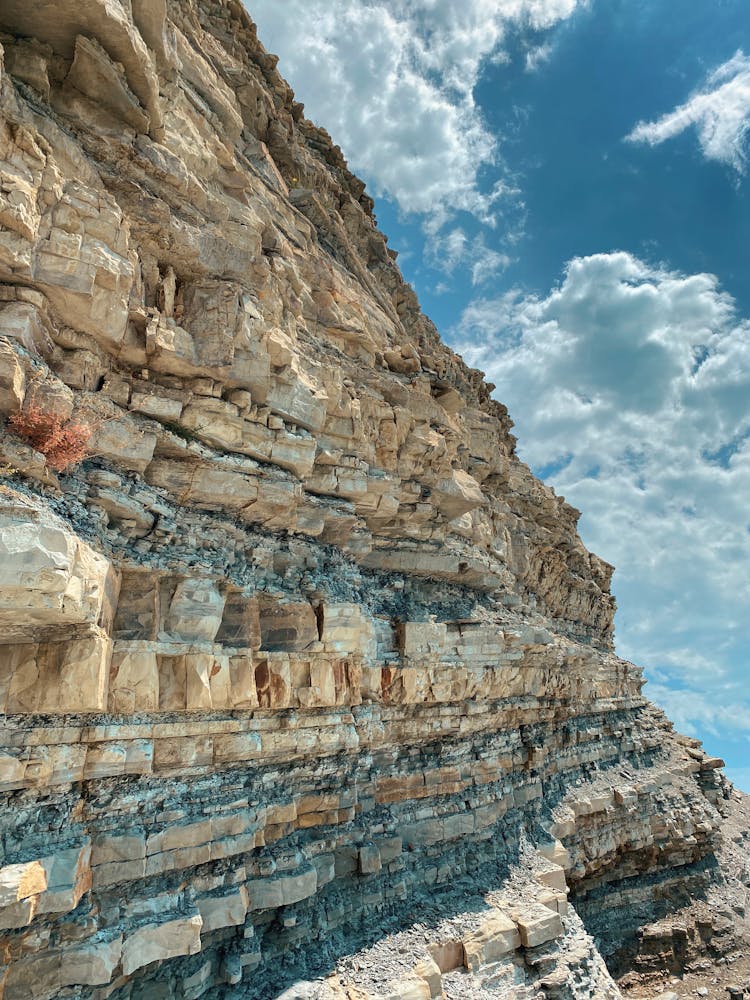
<point x="125" y="443"/>
<point x="457" y="494"/>
<point x="390" y="848"/>
<point x="242" y="681"/>
<point x="48" y="576"/>
<point x="61" y="677"/>
<point x="203" y="485"/>
<point x="161" y="941"/>
<point x="553" y="877"/>
<point x="240" y="623"/>
<point x="199" y="982"/>
<point x="179" y="836"/>
<point x="223" y="911"/>
<point x="556" y="853"/>
<point x="429" y="972"/>
<point x="173" y="683"/>
<point x="134" y="682"/>
<point x="411" y="988"/>
<point x="268" y="893"/>
<point x="418" y="640"/>
<point x="20" y="881"/>
<point x="118" y="871"/>
<point x="109" y="847"/>
<point x="28" y="62"/>
<point x="273" y="682"/>
<point x="347" y="630"/>
<point x="369" y="859"/>
<point x="235" y="747"/>
<point x="448" y="955"/>
<point x="195" y="610"/>
<point x="497" y="935"/>
<point x="156" y="406"/>
<point x="11" y="772"/>
<point x="44" y="975"/>
<point x="322" y="683"/>
<point x="68" y="878"/>
<point x="451" y="400"/>
<point x="537" y="926"/>
<point x="325" y="868"/>
<point x="287" y="626"/>
<point x="105" y="760"/>
<point x="19" y="914"/>
<point x="174" y="860"/>
<point x="183" y="752"/>
<point x="198" y="667"/>
<point x="220" y="683"/>
<point x="94" y="74"/>
<point x="281" y="812"/>
<point x="554" y="900"/>
<point x="227" y="847"/>
<point x="12" y="373"/>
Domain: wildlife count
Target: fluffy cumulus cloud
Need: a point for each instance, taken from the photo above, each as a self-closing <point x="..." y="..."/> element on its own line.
<point x="393" y="82"/>
<point x="719" y="111"/>
<point x="630" y="388"/>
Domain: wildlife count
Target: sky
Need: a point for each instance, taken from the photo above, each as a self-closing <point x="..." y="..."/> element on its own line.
<point x="567" y="183"/>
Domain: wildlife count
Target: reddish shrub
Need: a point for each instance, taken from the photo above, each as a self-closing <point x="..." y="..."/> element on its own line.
<point x="63" y="441"/>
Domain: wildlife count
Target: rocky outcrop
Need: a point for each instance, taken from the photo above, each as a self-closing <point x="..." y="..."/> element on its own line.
<point x="302" y="662"/>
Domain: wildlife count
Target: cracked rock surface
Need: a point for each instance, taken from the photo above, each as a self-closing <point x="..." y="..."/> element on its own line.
<point x="308" y="685"/>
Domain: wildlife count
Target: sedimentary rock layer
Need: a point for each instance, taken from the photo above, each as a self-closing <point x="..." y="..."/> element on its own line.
<point x="301" y="651"/>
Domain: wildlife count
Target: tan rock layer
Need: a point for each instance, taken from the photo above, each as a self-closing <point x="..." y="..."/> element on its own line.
<point x="302" y="647"/>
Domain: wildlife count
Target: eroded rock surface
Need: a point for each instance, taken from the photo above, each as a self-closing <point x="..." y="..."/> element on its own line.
<point x="306" y="679"/>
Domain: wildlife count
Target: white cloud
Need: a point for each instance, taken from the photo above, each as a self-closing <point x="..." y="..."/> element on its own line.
<point x="393" y="82"/>
<point x="487" y="263"/>
<point x="719" y="111"/>
<point x="630" y="384"/>
<point x="452" y="249"/>
<point x="538" y="56"/>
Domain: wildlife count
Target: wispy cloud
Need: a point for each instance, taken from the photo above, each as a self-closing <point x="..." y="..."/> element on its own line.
<point x="719" y="111"/>
<point x="538" y="56"/>
<point x="453" y="249"/>
<point x="630" y="384"/>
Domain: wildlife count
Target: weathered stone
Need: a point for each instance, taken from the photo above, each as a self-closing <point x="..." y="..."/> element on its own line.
<point x="134" y="682"/>
<point x="48" y="576"/>
<point x="497" y="936"/>
<point x="265" y="894"/>
<point x="369" y="859"/>
<point x="223" y="911"/>
<point x="301" y="643"/>
<point x="94" y="74"/>
<point x="538" y="926"/>
<point x="457" y="494"/>
<point x="161" y="941"/>
<point x="195" y="610"/>
<point x="58" y="677"/>
<point x="12" y="375"/>
<point x="17" y="882"/>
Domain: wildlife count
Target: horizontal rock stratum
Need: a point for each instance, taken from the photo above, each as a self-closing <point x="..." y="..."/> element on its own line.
<point x="306" y="679"/>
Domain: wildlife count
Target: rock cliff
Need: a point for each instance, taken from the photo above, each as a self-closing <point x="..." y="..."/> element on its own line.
<point x="305" y="677"/>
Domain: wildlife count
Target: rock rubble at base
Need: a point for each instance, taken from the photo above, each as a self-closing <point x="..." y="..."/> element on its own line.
<point x="302" y="657"/>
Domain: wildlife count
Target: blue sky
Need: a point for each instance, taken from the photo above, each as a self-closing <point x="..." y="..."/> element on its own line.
<point x="567" y="185"/>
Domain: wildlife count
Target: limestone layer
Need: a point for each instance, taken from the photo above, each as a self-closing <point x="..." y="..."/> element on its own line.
<point x="301" y="651"/>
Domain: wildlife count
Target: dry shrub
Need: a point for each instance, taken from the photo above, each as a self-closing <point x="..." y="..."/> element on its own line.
<point x="63" y="441"/>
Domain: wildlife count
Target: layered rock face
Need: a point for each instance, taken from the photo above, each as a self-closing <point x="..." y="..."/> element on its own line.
<point x="302" y="661"/>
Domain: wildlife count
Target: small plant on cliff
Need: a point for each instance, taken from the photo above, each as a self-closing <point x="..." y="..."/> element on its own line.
<point x="63" y="441"/>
